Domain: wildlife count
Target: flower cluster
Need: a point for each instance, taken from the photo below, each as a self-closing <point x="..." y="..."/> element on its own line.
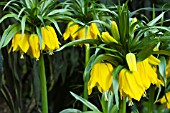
<point x="75" y="31"/>
<point x="30" y="43"/>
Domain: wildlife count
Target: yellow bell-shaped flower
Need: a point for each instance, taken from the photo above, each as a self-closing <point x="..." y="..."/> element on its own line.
<point x="150" y="72"/>
<point x="130" y="84"/>
<point x="71" y="31"/>
<point x="101" y="76"/>
<point x="84" y="33"/>
<point x="35" y="46"/>
<point x="20" y="42"/>
<point x="50" y="41"/>
<point x="94" y="30"/>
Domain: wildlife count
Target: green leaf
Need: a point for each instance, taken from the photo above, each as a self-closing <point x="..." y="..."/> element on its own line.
<point x="114" y="109"/>
<point x="55" y="23"/>
<point x="162" y="52"/>
<point x="70" y="110"/>
<point x="38" y="30"/>
<point x="77" y="42"/>
<point x="61" y="11"/>
<point x="23" y="23"/>
<point x="145" y="52"/>
<point x="151" y="23"/>
<point x="162" y="69"/>
<point x="21" y="11"/>
<point x="10" y="15"/>
<point x="41" y="19"/>
<point x="85" y="102"/>
<point x="91" y="112"/>
<point x="8" y="34"/>
<point x="104" y="102"/>
<point x="7" y="4"/>
<point x="115" y="84"/>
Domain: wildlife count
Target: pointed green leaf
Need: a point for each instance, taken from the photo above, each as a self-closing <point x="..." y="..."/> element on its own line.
<point x="24" y="18"/>
<point x="38" y="30"/>
<point x="162" y="69"/>
<point x="115" y="84"/>
<point x="10" y="15"/>
<point x="151" y="23"/>
<point x="55" y="24"/>
<point x="77" y="42"/>
<point x="9" y="33"/>
<point x="70" y="110"/>
<point x="85" y="102"/>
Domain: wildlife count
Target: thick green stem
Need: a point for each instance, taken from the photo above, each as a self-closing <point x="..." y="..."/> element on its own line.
<point x="87" y="56"/>
<point x="43" y="85"/>
<point x="151" y="99"/>
<point x="122" y="106"/>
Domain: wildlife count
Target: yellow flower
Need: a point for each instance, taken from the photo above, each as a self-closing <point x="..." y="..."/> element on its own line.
<point x="71" y="31"/>
<point x="106" y="37"/>
<point x="131" y="61"/>
<point x="164" y="101"/>
<point x="50" y="41"/>
<point x="94" y="31"/>
<point x="130" y="84"/>
<point x="101" y="76"/>
<point x="86" y="32"/>
<point x="148" y="74"/>
<point x="35" y="46"/>
<point x="20" y="42"/>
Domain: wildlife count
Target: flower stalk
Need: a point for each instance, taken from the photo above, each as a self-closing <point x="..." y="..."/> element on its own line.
<point x="87" y="56"/>
<point x="122" y="106"/>
<point x="43" y="85"/>
<point x="151" y="99"/>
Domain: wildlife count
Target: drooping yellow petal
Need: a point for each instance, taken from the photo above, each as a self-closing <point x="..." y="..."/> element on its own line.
<point x="105" y="75"/>
<point x="54" y="37"/>
<point x="106" y="37"/>
<point x="23" y="43"/>
<point x="66" y="34"/>
<point x="94" y="30"/>
<point x="50" y="38"/>
<point x="84" y="33"/>
<point x="131" y="61"/>
<point x="71" y="31"/>
<point x="153" y="60"/>
<point x="15" y="42"/>
<point x="143" y="73"/>
<point x="101" y="76"/>
<point x="152" y="74"/>
<point x="130" y="84"/>
<point x="35" y="46"/>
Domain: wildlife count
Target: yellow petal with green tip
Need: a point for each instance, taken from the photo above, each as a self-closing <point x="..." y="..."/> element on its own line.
<point x="131" y="61"/>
